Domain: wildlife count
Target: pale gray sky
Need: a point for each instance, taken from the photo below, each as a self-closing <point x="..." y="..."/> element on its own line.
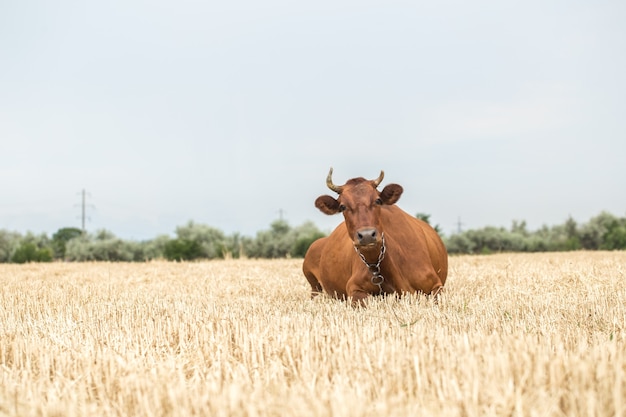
<point x="226" y="113"/>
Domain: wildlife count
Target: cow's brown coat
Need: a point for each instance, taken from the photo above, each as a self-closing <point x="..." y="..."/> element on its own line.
<point x="415" y="258"/>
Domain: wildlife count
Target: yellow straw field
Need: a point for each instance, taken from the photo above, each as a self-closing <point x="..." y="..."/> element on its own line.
<point x="513" y="335"/>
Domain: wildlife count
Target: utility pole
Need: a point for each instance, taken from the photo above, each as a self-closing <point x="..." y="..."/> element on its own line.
<point x="83" y="214"/>
<point x="280" y="214"/>
<point x="458" y="225"/>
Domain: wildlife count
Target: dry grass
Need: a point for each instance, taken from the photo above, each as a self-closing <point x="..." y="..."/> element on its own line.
<point x="514" y="335"/>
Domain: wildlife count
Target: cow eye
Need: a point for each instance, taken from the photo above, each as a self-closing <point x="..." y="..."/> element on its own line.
<point x="379" y="201"/>
<point x="341" y="207"/>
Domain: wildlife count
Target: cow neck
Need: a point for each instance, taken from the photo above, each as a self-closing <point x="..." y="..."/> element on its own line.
<point x="374" y="267"/>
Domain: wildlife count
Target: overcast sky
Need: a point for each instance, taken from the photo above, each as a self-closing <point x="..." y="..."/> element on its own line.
<point x="230" y="113"/>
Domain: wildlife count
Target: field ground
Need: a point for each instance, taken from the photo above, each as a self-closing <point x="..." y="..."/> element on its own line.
<point x="513" y="335"/>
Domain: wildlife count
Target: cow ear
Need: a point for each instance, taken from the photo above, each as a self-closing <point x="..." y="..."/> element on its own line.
<point x="327" y="204"/>
<point x="391" y="194"/>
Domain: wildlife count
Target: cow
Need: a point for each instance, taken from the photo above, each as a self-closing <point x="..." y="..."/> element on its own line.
<point x="378" y="249"/>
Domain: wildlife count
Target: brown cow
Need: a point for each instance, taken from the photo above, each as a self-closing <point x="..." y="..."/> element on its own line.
<point x="378" y="249"/>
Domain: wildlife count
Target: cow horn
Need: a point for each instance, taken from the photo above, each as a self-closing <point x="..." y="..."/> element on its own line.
<point x="378" y="180"/>
<point x="329" y="182"/>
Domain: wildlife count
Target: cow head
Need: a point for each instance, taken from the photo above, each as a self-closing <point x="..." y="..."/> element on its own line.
<point x="360" y="203"/>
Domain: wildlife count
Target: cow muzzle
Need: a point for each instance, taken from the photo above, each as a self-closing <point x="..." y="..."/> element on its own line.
<point x="366" y="237"/>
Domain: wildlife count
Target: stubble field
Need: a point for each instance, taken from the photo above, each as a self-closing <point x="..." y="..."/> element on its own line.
<point x="513" y="335"/>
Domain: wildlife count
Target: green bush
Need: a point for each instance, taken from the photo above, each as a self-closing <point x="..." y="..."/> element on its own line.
<point x="211" y="241"/>
<point x="9" y="241"/>
<point x="182" y="250"/>
<point x="104" y="246"/>
<point x="155" y="248"/>
<point x="615" y="236"/>
<point x="60" y="239"/>
<point x="302" y="244"/>
<point x="29" y="252"/>
<point x="281" y="240"/>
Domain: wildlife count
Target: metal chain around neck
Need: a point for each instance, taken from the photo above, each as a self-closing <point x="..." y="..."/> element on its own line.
<point x="377" y="278"/>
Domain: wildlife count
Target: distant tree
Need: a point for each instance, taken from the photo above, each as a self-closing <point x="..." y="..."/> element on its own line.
<point x="592" y="234"/>
<point x="29" y="252"/>
<point x="182" y="250"/>
<point x="137" y="251"/>
<point x="281" y="240"/>
<point x="572" y="241"/>
<point x="33" y="248"/>
<point x="79" y="249"/>
<point x="305" y="235"/>
<point x="211" y="241"/>
<point x="535" y="243"/>
<point x="155" y="248"/>
<point x="233" y="246"/>
<point x="103" y="246"/>
<point x="519" y="227"/>
<point x="615" y="236"/>
<point x="459" y="243"/>
<point x="40" y="240"/>
<point x="104" y="234"/>
<point x="9" y="241"/>
<point x="549" y="238"/>
<point x="487" y="240"/>
<point x="274" y="243"/>
<point x="60" y="239"/>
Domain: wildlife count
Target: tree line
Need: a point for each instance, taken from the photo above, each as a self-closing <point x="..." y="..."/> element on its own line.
<point x="602" y="232"/>
<point x="194" y="241"/>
